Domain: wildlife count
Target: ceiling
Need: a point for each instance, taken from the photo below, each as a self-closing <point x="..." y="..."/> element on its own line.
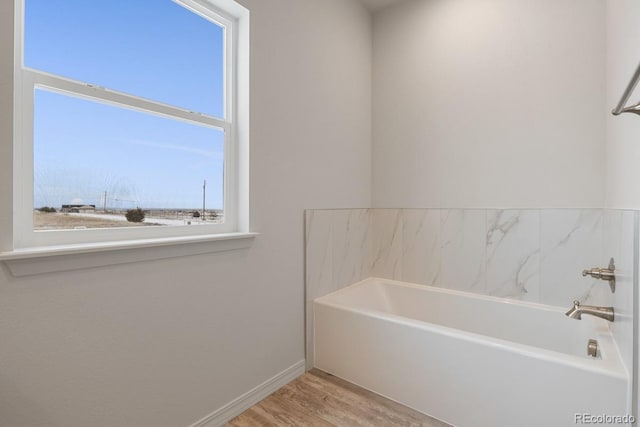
<point x="375" y="5"/>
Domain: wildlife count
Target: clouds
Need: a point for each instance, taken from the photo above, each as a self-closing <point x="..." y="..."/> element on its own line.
<point x="212" y="154"/>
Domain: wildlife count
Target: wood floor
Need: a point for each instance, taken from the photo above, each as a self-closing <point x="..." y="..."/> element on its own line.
<point x="320" y="399"/>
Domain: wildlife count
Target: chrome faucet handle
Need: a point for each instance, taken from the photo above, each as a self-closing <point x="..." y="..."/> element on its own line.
<point x="599" y="273"/>
<point x="607" y="274"/>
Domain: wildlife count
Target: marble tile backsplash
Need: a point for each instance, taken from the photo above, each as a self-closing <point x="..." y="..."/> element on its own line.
<point x="462" y="251"/>
<point x="531" y="254"/>
<point x="620" y="228"/>
<point x="512" y="254"/>
<point x="571" y="241"/>
<point x="338" y="253"/>
<point x="421" y="245"/>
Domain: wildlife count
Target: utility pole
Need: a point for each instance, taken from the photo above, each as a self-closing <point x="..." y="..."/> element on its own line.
<point x="105" y="201"/>
<point x="204" y="199"/>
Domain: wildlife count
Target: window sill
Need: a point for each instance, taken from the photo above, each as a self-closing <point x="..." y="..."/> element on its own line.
<point x="42" y="260"/>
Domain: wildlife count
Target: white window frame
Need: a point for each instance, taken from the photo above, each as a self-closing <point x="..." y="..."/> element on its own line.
<point x="234" y="20"/>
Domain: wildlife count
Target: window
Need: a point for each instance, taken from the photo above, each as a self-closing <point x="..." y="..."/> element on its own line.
<point x="130" y="120"/>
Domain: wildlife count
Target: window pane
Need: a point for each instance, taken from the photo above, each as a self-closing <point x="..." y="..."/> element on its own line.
<point x="154" y="49"/>
<point x="93" y="162"/>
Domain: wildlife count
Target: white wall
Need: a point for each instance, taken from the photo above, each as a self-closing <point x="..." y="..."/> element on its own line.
<point x="489" y="103"/>
<point x="165" y="343"/>
<point x="623" y="132"/>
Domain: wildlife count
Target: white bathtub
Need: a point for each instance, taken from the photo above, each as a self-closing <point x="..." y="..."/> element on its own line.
<point x="466" y="359"/>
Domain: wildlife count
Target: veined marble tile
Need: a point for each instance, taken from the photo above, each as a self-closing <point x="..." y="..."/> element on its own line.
<point x="421" y="245"/>
<point x="351" y="246"/>
<point x="462" y="245"/>
<point x="618" y="244"/>
<point x="571" y="241"/>
<point x="318" y="266"/>
<point x="513" y="254"/>
<point x="387" y="243"/>
<point x="619" y="233"/>
<point x="625" y="260"/>
<point x="318" y="253"/>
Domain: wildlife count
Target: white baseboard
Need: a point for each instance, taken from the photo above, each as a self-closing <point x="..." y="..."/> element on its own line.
<point x="250" y="398"/>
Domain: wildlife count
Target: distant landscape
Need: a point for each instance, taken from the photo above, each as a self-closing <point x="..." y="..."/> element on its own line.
<point x="87" y="217"/>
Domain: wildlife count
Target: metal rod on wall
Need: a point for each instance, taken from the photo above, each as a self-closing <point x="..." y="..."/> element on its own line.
<point x="627" y="94"/>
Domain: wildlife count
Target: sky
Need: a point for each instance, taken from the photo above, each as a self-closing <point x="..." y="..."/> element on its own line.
<point x="153" y="49"/>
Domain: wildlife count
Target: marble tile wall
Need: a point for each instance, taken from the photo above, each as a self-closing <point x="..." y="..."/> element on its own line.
<point x="620" y="228"/>
<point x="338" y="253"/>
<point x="533" y="255"/>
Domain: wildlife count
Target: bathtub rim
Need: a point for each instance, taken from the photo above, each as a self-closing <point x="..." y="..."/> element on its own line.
<point x="610" y="364"/>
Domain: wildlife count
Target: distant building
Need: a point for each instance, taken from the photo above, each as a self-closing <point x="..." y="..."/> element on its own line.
<point x="78" y="209"/>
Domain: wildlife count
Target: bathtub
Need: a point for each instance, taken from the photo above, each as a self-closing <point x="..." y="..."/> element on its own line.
<point x="469" y="360"/>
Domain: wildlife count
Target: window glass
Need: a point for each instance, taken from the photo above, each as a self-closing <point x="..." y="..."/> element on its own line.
<point x="93" y="162"/>
<point x="153" y="49"/>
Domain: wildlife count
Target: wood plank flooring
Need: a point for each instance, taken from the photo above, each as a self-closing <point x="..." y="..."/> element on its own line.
<point x="320" y="399"/>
